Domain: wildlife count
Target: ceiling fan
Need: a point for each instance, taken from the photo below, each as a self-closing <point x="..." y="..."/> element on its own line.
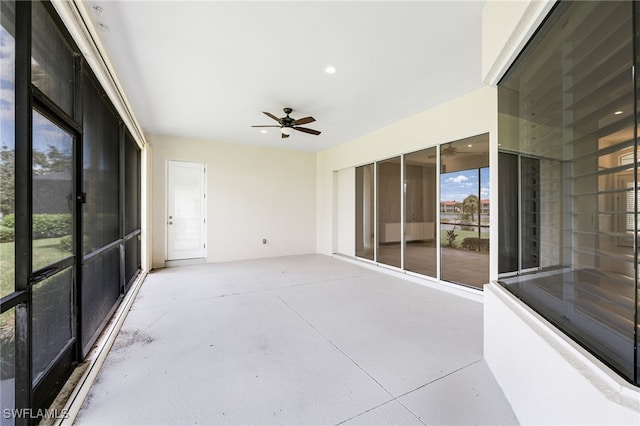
<point x="449" y="150"/>
<point x="446" y="151"/>
<point x="288" y="124"/>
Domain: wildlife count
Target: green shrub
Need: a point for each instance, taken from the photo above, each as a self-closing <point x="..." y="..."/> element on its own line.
<point x="51" y="225"/>
<point x="476" y="244"/>
<point x="451" y="237"/>
<point x="44" y="226"/>
<point x="66" y="243"/>
<point x="8" y="221"/>
<point x="7" y="234"/>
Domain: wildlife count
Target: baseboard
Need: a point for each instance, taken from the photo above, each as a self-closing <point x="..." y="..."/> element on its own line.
<point x="184" y="262"/>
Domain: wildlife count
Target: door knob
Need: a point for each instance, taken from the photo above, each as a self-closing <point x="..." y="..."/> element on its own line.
<point x="170" y="223"/>
<point x="170" y="217"/>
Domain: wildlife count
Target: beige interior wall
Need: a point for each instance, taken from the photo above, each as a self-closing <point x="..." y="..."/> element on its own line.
<point x="252" y="193"/>
<point x="346" y="214"/>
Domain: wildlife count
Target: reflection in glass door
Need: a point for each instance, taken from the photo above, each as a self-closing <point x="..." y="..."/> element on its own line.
<point x="464" y="211"/>
<point x="420" y="184"/>
<point x="389" y="212"/>
<point x="365" y="205"/>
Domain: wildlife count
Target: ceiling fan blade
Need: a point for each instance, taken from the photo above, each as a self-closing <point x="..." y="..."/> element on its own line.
<point x="305" y="130"/>
<point x="284" y="136"/>
<point x="305" y="120"/>
<point x="270" y="125"/>
<point x="268" y="114"/>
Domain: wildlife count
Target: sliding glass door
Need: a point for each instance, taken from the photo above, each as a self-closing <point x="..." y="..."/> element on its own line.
<point x="389" y="178"/>
<point x="399" y="224"/>
<point x="365" y="212"/>
<point x="464" y="211"/>
<point x="420" y="200"/>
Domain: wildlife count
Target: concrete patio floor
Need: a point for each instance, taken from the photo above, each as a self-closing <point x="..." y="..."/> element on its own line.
<point x="295" y="340"/>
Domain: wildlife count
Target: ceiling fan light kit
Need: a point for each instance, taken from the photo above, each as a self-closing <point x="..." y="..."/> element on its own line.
<point x="287" y="124"/>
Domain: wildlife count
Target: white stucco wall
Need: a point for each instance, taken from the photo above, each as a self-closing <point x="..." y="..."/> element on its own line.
<point x="252" y="193"/>
<point x="548" y="378"/>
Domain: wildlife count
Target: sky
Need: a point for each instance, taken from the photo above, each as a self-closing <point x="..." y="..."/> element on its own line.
<point x="456" y="186"/>
<point x="7" y="70"/>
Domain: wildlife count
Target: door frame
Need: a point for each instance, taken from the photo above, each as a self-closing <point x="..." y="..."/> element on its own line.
<point x="45" y="387"/>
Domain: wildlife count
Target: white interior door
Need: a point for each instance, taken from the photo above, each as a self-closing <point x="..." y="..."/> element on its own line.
<point x="186" y="210"/>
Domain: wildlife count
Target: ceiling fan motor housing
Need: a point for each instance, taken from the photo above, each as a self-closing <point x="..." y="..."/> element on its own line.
<point x="287" y="121"/>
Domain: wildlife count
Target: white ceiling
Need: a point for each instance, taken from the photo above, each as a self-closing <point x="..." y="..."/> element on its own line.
<point x="207" y="69"/>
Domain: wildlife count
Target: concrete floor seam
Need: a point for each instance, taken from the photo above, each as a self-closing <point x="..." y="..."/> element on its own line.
<point x="307" y="283"/>
<point x="393" y="397"/>
<point x="440" y="378"/>
<point x="421" y="387"/>
<point x="334" y="345"/>
<point x="375" y="408"/>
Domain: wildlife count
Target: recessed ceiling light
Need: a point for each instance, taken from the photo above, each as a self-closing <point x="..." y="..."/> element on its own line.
<point x="469" y="145"/>
<point x="263" y="131"/>
<point x="330" y="69"/>
<point x="618" y="112"/>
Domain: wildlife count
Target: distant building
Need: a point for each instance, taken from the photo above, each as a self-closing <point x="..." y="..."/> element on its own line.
<point x="485" y="206"/>
<point x="449" y="207"/>
<point x="455" y="206"/>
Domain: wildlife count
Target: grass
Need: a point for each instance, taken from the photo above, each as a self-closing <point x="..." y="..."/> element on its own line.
<point x="45" y="252"/>
<point x="461" y="236"/>
<point x="7" y="268"/>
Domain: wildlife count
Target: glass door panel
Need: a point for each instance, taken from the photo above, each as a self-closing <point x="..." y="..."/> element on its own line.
<point x="420" y="185"/>
<point x="508" y="222"/>
<point x="365" y="205"/>
<point x="464" y="211"/>
<point x="389" y="212"/>
<point x="7" y="152"/>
